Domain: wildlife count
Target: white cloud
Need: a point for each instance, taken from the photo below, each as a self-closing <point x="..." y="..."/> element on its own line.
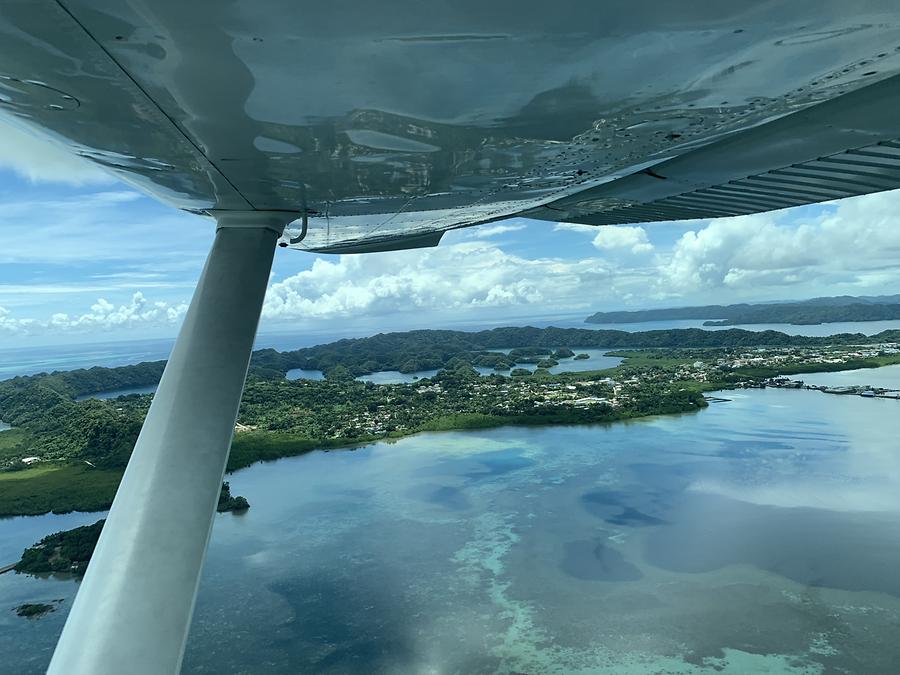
<point x="39" y="159"/>
<point x="13" y="326"/>
<point x="470" y="278"/>
<point x="103" y="245"/>
<point x="855" y="242"/>
<point x="102" y="316"/>
<point x="612" y="238"/>
<point x="485" y="231"/>
<point x="615" y="237"/>
<point x="575" y="227"/>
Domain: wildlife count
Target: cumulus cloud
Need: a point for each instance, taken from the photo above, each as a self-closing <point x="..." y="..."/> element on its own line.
<point x="472" y="277"/>
<point x="485" y="231"/>
<point x="102" y="316"/>
<point x="39" y="159"/>
<point x="856" y="242"/>
<point x="613" y="238"/>
<point x="11" y="325"/>
<point x="471" y="280"/>
<point x="846" y="247"/>
<point x="575" y="227"/>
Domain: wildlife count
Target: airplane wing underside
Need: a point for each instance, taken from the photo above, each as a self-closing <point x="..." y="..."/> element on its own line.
<point x="383" y="126"/>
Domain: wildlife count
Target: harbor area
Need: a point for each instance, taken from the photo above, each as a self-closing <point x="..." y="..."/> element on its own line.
<point x="863" y="390"/>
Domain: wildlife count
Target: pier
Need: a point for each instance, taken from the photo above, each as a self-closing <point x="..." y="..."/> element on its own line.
<point x="864" y="390"/>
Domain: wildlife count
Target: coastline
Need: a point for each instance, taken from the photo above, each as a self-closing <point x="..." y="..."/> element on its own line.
<point x="66" y="487"/>
<point x="80" y="470"/>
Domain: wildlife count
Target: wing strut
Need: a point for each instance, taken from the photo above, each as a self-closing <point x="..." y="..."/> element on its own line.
<point x="133" y="609"/>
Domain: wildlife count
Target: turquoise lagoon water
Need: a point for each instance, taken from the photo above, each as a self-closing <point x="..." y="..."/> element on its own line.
<point x="758" y="535"/>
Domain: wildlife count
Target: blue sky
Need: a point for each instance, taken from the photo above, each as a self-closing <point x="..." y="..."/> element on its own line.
<point x="87" y="258"/>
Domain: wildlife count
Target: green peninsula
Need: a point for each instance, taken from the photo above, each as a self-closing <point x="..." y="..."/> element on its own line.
<point x="66" y="453"/>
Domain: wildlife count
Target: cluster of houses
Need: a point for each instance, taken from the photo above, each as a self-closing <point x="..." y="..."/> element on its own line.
<point x="775" y="356"/>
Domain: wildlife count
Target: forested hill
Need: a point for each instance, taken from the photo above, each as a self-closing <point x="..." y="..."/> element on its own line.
<point x="73" y="383"/>
<point x="83" y="445"/>
<point x="432" y="349"/>
<point x="806" y="312"/>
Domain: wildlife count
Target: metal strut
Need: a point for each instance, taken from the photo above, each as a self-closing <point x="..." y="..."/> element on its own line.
<point x="133" y="608"/>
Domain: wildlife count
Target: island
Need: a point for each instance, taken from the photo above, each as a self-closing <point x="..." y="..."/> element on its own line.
<point x="68" y="552"/>
<point x="86" y="443"/>
<point x="799" y="313"/>
<point x="35" y="610"/>
<point x="65" y="552"/>
<point x="226" y="503"/>
<point x="68" y="453"/>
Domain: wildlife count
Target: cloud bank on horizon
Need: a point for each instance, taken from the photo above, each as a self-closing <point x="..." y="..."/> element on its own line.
<point x="86" y="257"/>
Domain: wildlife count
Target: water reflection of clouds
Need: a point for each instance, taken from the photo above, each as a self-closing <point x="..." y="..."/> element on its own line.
<point x="548" y="550"/>
<point x="815" y="547"/>
<point x="847" y="461"/>
<point x="263" y="558"/>
<point x="820" y="494"/>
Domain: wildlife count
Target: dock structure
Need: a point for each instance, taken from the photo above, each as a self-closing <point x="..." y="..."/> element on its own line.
<point x="784" y="383"/>
<point x="864" y="390"/>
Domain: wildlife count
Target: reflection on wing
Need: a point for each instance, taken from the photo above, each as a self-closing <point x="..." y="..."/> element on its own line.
<point x="383" y="127"/>
<point x="831" y="151"/>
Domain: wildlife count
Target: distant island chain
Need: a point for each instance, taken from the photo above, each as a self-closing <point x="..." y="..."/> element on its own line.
<point x="845" y="308"/>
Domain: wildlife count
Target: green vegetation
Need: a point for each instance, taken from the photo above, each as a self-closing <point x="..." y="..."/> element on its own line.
<point x="762" y="372"/>
<point x="60" y="488"/>
<point x="495" y="360"/>
<point x="279" y="417"/>
<point x="654" y="357"/>
<point x="801" y="315"/>
<point x="229" y="503"/>
<point x="69" y="551"/>
<point x="435" y="349"/>
<point x="62" y="552"/>
<point x="84" y="445"/>
<point x="264" y="446"/>
<point x="12" y="443"/>
<point x="805" y="312"/>
<point x="35" y="610"/>
<point x="57" y="487"/>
